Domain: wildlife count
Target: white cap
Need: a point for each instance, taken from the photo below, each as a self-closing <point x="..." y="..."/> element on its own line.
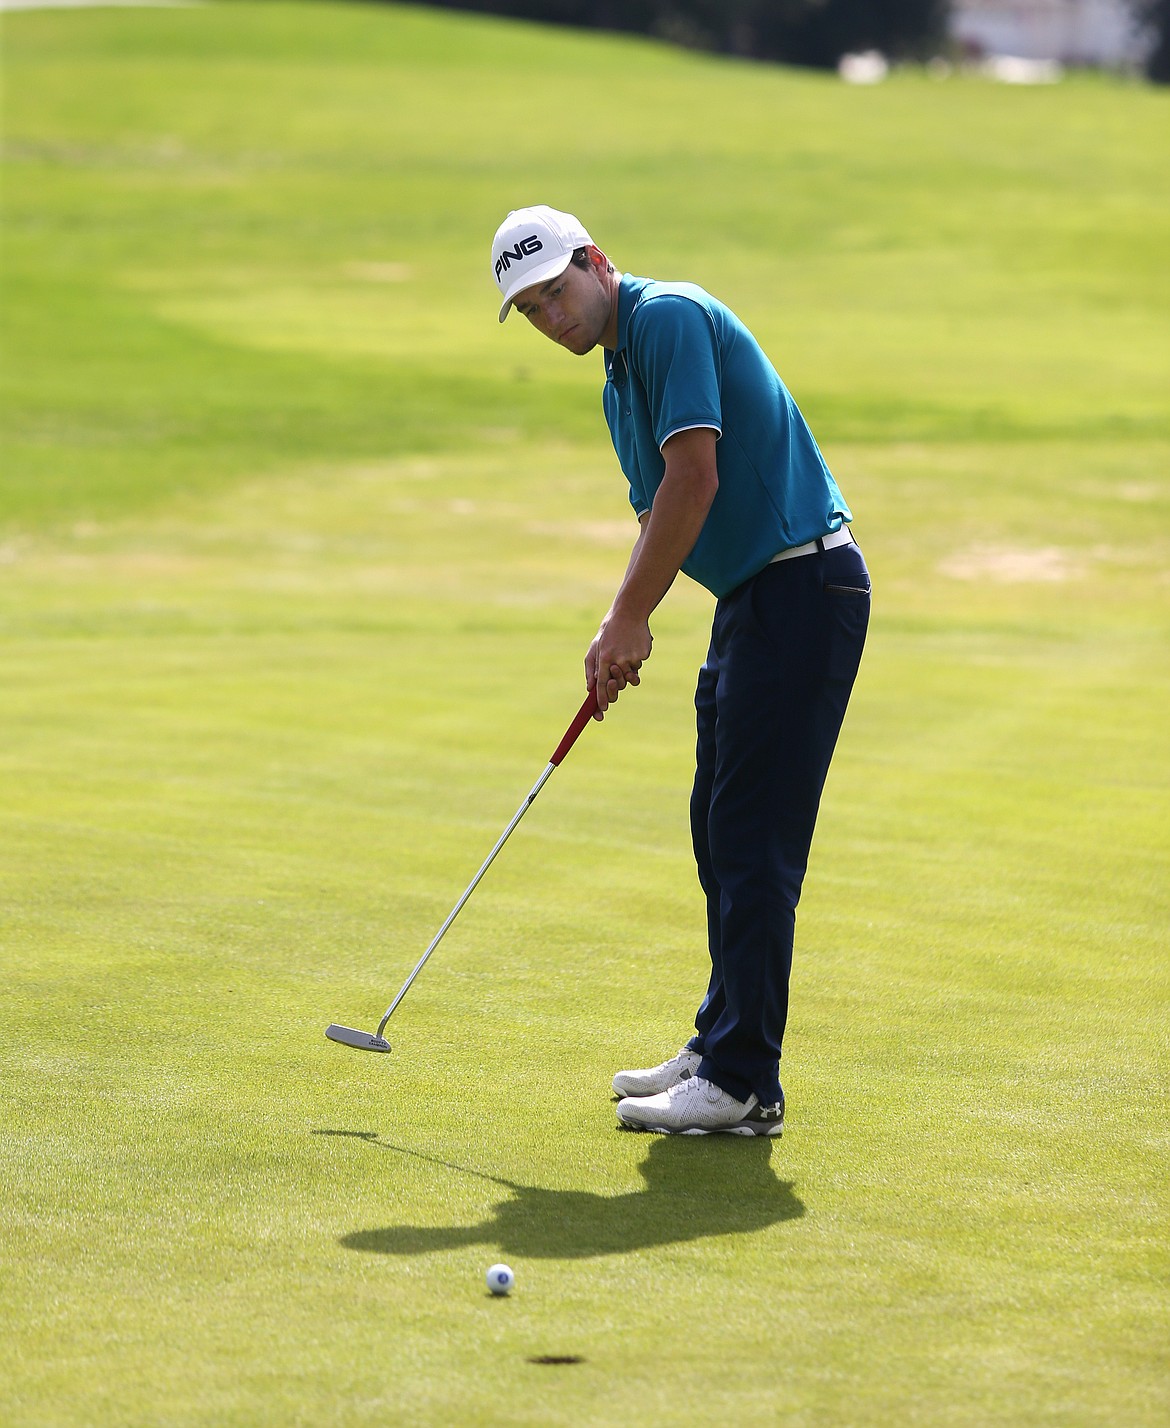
<point x="531" y="246"/>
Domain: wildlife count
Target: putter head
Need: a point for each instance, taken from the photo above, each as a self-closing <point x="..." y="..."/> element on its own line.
<point x="362" y="1040"/>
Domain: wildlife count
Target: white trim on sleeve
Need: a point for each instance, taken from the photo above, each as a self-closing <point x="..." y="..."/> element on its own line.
<point x="693" y="426"/>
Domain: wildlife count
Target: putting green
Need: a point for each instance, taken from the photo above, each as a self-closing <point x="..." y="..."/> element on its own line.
<point x="300" y="553"/>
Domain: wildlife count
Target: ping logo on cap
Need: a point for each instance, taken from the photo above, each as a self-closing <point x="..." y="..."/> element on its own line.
<point x="523" y="249"/>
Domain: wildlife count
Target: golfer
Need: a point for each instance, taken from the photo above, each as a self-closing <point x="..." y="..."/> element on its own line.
<point x="728" y="486"/>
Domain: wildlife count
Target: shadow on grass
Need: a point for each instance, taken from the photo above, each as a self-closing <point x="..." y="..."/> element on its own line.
<point x="695" y="1187"/>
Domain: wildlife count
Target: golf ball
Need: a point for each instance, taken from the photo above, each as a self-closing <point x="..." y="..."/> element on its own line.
<point x="500" y="1279"/>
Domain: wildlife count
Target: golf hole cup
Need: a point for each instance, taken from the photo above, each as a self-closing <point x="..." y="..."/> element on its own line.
<point x="500" y="1279"/>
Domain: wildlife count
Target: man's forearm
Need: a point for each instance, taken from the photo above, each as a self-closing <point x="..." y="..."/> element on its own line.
<point x="667" y="537"/>
<point x="680" y="508"/>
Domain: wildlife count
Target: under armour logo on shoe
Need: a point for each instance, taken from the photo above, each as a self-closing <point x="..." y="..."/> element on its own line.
<point x="770" y="1113"/>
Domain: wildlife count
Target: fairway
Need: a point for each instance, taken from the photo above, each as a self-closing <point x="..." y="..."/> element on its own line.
<point x="300" y="554"/>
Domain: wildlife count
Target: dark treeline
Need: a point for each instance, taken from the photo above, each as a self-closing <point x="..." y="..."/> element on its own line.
<point x="804" y="32"/>
<point x="1156" y="14"/>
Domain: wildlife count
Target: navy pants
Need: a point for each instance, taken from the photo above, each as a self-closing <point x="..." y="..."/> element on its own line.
<point x="785" y="648"/>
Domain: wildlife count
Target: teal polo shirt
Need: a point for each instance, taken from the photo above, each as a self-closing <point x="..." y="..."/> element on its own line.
<point x="685" y="360"/>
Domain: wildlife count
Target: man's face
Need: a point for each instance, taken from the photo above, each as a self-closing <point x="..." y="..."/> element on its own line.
<point x="572" y="309"/>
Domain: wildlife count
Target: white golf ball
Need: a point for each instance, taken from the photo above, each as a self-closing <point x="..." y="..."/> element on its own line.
<point x="500" y="1279"/>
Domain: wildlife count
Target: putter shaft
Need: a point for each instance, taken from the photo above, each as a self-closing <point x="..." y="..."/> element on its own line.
<point x="363" y="1040"/>
<point x="471" y="887"/>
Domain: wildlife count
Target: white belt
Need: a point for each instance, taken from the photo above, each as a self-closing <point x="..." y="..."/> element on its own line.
<point x="829" y="542"/>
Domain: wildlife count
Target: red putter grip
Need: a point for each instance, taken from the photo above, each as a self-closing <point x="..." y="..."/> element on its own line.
<point x="583" y="716"/>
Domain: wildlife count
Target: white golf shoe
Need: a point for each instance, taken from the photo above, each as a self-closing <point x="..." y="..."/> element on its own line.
<point x="657" y="1078"/>
<point x="699" y="1107"/>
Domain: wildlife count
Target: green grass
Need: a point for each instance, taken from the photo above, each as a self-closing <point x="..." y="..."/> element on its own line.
<point x="299" y="555"/>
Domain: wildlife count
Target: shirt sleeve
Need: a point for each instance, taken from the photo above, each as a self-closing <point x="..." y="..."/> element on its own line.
<point x="675" y="353"/>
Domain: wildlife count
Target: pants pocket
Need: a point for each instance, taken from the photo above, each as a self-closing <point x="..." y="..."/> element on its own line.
<point x="847" y="613"/>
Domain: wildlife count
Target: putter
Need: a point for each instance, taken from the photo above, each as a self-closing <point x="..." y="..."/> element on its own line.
<point x="375" y="1041"/>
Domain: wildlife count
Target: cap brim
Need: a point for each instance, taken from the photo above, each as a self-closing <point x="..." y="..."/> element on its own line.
<point x="533" y="279"/>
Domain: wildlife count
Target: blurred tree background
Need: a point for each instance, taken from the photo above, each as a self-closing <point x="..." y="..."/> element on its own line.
<point x="1156" y="14"/>
<point x="803" y="32"/>
<point x="814" y="33"/>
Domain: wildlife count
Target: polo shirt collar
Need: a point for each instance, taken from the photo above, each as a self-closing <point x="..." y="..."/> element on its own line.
<point x="629" y="291"/>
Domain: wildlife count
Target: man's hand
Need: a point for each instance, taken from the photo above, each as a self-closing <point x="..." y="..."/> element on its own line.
<point x="615" y="657"/>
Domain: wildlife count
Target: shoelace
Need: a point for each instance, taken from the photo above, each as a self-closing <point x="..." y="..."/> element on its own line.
<point x="691" y="1087"/>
